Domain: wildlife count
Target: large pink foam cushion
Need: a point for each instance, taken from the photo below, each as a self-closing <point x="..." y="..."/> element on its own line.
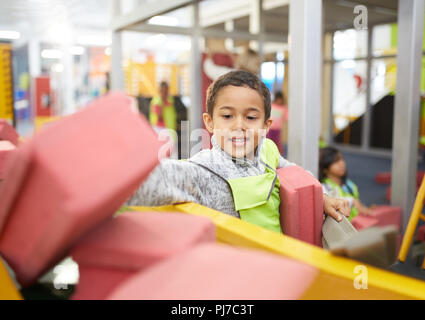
<point x="68" y="178"/>
<point x="131" y="242"/>
<point x="8" y="133"/>
<point x="361" y="222"/>
<point x="420" y="236"/>
<point x="6" y="149"/>
<point x="387" y="215"/>
<point x="301" y="205"/>
<point x="219" y="272"/>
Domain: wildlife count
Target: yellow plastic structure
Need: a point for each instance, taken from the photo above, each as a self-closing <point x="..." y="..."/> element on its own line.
<point x="8" y="290"/>
<point x="413" y="223"/>
<point x="338" y="277"/>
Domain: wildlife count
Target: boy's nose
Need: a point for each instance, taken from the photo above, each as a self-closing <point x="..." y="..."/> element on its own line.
<point x="239" y="123"/>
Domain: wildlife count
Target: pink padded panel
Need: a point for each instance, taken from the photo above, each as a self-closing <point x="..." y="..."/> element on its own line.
<point x="301" y="205"/>
<point x="6" y="149"/>
<point x="96" y="283"/>
<point x="219" y="272"/>
<point x="131" y="242"/>
<point x="385" y="177"/>
<point x="8" y="133"/>
<point x="362" y="222"/>
<point x="68" y="178"/>
<point x="420" y="236"/>
<point x="388" y="215"/>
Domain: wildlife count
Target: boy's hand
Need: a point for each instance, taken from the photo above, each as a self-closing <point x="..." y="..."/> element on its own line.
<point x="335" y="207"/>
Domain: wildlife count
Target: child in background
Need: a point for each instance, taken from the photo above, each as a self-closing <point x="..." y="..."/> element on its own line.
<point x="238" y="175"/>
<point x="279" y="129"/>
<point x="333" y="176"/>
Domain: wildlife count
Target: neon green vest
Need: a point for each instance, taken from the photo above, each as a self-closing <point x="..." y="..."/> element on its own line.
<point x="168" y="112"/>
<point x="257" y="197"/>
<point x="343" y="192"/>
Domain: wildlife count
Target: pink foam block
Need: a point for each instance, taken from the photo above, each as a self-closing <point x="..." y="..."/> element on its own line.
<point x="387" y="215"/>
<point x="8" y="133"/>
<point x="383" y="178"/>
<point x="6" y="150"/>
<point x="68" y="178"/>
<point x="363" y="222"/>
<point x="131" y="242"/>
<point x="219" y="272"/>
<point x="420" y="236"/>
<point x="301" y="205"/>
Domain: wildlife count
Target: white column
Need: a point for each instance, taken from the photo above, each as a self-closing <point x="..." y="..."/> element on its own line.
<point x="195" y="109"/>
<point x="117" y="72"/>
<point x="305" y="63"/>
<point x="407" y="105"/>
<point x="229" y="26"/>
<point x="256" y="25"/>
<point x="68" y="81"/>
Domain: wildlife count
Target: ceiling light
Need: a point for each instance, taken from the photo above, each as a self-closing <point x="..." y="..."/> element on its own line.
<point x="89" y="40"/>
<point x="164" y="21"/>
<point x="77" y="50"/>
<point x="10" y="35"/>
<point x="51" y="54"/>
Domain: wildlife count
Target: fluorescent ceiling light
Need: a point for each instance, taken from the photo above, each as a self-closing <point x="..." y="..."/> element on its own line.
<point x="10" y="35"/>
<point x="77" y="50"/>
<point x="89" y="40"/>
<point x="164" y="21"/>
<point x="51" y="54"/>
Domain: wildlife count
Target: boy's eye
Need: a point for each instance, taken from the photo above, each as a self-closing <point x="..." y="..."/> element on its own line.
<point x="226" y="116"/>
<point x="251" y="118"/>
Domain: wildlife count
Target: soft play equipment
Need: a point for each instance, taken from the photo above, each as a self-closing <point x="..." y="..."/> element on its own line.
<point x="361" y="222"/>
<point x="420" y="236"/>
<point x="301" y="206"/>
<point x="65" y="180"/>
<point x="338" y="276"/>
<point x="6" y="150"/>
<point x="385" y="177"/>
<point x="131" y="242"/>
<point x="382" y="216"/>
<point x="219" y="272"/>
<point x="8" y="133"/>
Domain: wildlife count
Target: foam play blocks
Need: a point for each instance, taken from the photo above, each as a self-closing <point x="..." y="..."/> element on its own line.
<point x="131" y="242"/>
<point x="361" y="222"/>
<point x="65" y="180"/>
<point x="8" y="133"/>
<point x="301" y="219"/>
<point x="219" y="272"/>
<point x="387" y="215"/>
<point x="6" y="149"/>
<point x="420" y="236"/>
<point x="382" y="216"/>
<point x="385" y="177"/>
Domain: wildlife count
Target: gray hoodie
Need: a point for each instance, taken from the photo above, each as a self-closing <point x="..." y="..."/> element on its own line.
<point x="201" y="179"/>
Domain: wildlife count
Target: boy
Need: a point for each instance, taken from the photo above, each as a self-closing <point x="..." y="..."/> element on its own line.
<point x="238" y="175"/>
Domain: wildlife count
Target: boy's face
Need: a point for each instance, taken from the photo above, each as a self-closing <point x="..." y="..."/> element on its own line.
<point x="238" y="121"/>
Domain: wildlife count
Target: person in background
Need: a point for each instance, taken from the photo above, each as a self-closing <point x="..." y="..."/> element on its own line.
<point x="162" y="113"/>
<point x="333" y="176"/>
<point x="279" y="128"/>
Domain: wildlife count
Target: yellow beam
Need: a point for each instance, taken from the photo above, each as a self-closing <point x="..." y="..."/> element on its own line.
<point x="8" y="291"/>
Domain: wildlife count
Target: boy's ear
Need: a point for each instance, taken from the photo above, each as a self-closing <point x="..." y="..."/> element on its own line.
<point x="208" y="122"/>
<point x="268" y="124"/>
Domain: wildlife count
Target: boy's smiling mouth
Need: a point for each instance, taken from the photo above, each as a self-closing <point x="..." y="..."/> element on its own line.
<point x="239" y="141"/>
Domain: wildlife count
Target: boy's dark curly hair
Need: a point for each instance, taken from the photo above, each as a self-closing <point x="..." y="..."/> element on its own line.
<point x="239" y="78"/>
